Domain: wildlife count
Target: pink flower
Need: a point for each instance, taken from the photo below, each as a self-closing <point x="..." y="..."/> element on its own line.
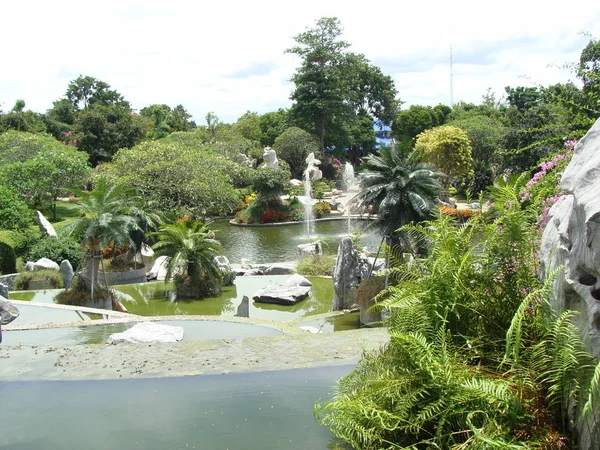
<point x="68" y="133"/>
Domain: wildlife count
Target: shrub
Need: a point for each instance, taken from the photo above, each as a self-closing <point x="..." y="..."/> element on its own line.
<point x="79" y="295"/>
<point x="316" y="265"/>
<point x="293" y="146"/>
<point x="8" y="259"/>
<point x="272" y="216"/>
<point x="52" y="277"/>
<point x="14" y="213"/>
<point x="58" y="250"/>
<point x="269" y="183"/>
<point x="321" y="209"/>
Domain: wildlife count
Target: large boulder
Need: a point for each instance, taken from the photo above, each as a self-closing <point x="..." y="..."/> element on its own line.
<point x="3" y="290"/>
<point x="310" y="249"/>
<point x="225" y="267"/>
<point x="572" y="239"/>
<point x="146" y="332"/>
<point x="281" y="295"/>
<point x="8" y="311"/>
<point x="67" y="273"/>
<point x="159" y="269"/>
<point x="45" y="264"/>
<point x="45" y="225"/>
<point x="278" y="270"/>
<point x="297" y="280"/>
<point x="346" y="275"/>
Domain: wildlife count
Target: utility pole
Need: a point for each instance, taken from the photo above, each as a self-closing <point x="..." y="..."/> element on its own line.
<point x="451" y="79"/>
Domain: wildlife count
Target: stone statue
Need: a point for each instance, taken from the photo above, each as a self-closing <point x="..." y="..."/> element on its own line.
<point x="270" y="157"/>
<point x="312" y="168"/>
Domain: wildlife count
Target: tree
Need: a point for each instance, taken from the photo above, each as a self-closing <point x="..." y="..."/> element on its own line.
<point x="14" y="214"/>
<point x="589" y="70"/>
<point x="191" y="249"/>
<point x="272" y="124"/>
<point x="319" y="92"/>
<point x="269" y="183"/>
<point x="400" y="190"/>
<point x="19" y="106"/>
<point x="293" y="146"/>
<point x="522" y="97"/>
<point x="248" y="126"/>
<point x="16" y="146"/>
<point x="86" y="91"/>
<point x="415" y="120"/>
<point x="449" y="149"/>
<point x="166" y="120"/>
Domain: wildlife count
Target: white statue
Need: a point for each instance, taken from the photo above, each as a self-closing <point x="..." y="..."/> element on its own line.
<point x="270" y="157"/>
<point x="312" y="167"/>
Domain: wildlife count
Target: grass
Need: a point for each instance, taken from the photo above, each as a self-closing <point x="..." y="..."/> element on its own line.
<point x="316" y="265"/>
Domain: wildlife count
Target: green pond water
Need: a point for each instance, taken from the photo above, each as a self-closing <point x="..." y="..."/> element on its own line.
<point x="154" y="299"/>
<point x="267" y="410"/>
<point x="279" y="244"/>
<point x="194" y="330"/>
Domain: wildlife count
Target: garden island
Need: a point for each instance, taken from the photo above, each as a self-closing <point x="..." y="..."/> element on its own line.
<point x="167" y="284"/>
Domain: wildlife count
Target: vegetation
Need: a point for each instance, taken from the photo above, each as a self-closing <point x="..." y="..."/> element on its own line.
<point x="320" y="265"/>
<point x="47" y="278"/>
<point x="14" y="214"/>
<point x="63" y="248"/>
<point x="293" y="146"/>
<point x="191" y="249"/>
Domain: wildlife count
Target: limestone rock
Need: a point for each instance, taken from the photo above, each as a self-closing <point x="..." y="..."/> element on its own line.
<point x="159" y="269"/>
<point x="281" y="295"/>
<point x="45" y="264"/>
<point x="66" y="270"/>
<point x="297" y="280"/>
<point x="572" y="239"/>
<point x="346" y="275"/>
<point x="29" y="266"/>
<point x="253" y="272"/>
<point x="310" y="249"/>
<point x="3" y="290"/>
<point x="243" y="310"/>
<point x="245" y="264"/>
<point x="8" y="311"/>
<point x="225" y="267"/>
<point x="146" y="332"/>
<point x="278" y="270"/>
<point x="45" y="226"/>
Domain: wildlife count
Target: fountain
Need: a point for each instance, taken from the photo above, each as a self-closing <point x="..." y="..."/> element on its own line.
<point x="312" y="172"/>
<point x="350" y="185"/>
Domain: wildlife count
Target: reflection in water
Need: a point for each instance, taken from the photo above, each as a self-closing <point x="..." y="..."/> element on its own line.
<point x="268" y="410"/>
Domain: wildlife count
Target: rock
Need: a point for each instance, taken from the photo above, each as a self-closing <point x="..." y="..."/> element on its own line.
<point x="225" y="267"/>
<point x="295" y="182"/>
<point x="159" y="269"/>
<point x="245" y="264"/>
<point x="281" y="295"/>
<point x="45" y="226"/>
<point x="145" y="332"/>
<point x="146" y="251"/>
<point x="66" y="270"/>
<point x="253" y="272"/>
<point x="346" y="275"/>
<point x="45" y="264"/>
<point x="278" y="270"/>
<point x="29" y="266"/>
<point x="297" y="280"/>
<point x="243" y="310"/>
<point x="8" y="311"/>
<point x="572" y="239"/>
<point x="452" y="202"/>
<point x="475" y="205"/>
<point x="270" y="157"/>
<point x="312" y="249"/>
<point x="3" y="290"/>
<point x="374" y="265"/>
<point x="245" y="160"/>
<point x="310" y="329"/>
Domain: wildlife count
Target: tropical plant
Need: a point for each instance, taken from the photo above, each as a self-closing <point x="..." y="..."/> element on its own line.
<point x="269" y="183"/>
<point x="191" y="249"/>
<point x="398" y="190"/>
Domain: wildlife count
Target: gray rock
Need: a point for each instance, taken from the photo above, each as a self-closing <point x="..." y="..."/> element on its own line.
<point x="146" y="332"/>
<point x="281" y="295"/>
<point x="45" y="226"/>
<point x="8" y="311"/>
<point x="225" y="267"/>
<point x="311" y="249"/>
<point x="297" y="280"/>
<point x="243" y="310"/>
<point x="475" y="205"/>
<point x="253" y="272"/>
<point x="572" y="239"/>
<point x="45" y="264"/>
<point x="3" y="290"/>
<point x="66" y="270"/>
<point x="278" y="270"/>
<point x="29" y="266"/>
<point x="346" y="275"/>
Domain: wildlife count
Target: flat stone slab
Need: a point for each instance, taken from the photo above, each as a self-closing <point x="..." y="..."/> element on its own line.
<point x="281" y="295"/>
<point x="146" y="332"/>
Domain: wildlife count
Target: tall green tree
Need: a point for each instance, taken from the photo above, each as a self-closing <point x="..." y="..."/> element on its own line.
<point x="86" y="91"/>
<point x="293" y="146"/>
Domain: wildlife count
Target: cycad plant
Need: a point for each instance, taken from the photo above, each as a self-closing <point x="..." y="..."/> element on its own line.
<point x="397" y="190"/>
<point x="191" y="249"/>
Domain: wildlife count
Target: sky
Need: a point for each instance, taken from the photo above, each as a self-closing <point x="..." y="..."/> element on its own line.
<point x="229" y="57"/>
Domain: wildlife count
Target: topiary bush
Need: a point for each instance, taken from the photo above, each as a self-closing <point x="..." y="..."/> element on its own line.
<point x="65" y="247"/>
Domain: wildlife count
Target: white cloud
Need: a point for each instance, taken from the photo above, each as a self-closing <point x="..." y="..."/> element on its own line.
<point x="196" y="53"/>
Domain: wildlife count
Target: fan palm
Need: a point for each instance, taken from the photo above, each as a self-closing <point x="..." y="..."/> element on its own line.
<point x="399" y="190"/>
<point x="191" y="252"/>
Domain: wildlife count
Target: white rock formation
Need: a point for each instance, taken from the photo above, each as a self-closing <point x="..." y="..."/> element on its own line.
<point x="146" y="332"/>
<point x="45" y="264"/>
<point x="45" y="225"/>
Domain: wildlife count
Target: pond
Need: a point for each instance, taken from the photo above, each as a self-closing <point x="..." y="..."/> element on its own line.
<point x="154" y="299"/>
<point x="195" y="330"/>
<point x="267" y="410"/>
<point x="279" y="244"/>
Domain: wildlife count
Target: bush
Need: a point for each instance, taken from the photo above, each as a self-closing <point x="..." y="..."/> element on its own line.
<point x="8" y="259"/>
<point x="58" y="250"/>
<point x="316" y="265"/>
<point x="321" y="209"/>
<point x="52" y="277"/>
<point x="14" y="213"/>
<point x="78" y="295"/>
<point x="269" y="183"/>
<point x="293" y="146"/>
<point x="272" y="216"/>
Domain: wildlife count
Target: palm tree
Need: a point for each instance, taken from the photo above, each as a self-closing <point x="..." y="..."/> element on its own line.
<point x="398" y="189"/>
<point x="110" y="213"/>
<point x="191" y="249"/>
